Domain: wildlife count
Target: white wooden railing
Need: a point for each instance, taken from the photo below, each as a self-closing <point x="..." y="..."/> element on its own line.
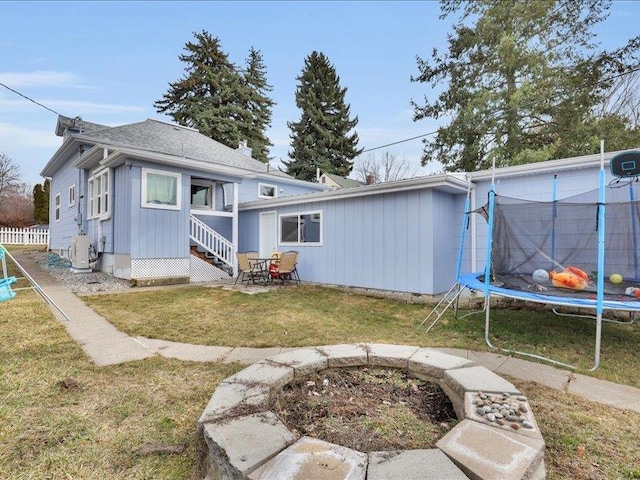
<point x="211" y="241"/>
<point x="23" y="236"/>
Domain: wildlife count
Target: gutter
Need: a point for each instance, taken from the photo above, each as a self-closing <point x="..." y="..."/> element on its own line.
<point x="448" y="182"/>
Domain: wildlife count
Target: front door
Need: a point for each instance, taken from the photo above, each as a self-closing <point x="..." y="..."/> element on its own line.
<point x="268" y="234"/>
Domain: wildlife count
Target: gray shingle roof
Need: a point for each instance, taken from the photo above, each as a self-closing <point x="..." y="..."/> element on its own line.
<point x="76" y="124"/>
<point x="160" y="137"/>
<point x="344" y="182"/>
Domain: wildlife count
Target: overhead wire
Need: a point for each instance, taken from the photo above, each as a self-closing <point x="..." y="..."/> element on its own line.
<point x="31" y="99"/>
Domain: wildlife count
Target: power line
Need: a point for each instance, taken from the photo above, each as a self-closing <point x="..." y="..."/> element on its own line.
<point x="31" y="100"/>
<point x="399" y="141"/>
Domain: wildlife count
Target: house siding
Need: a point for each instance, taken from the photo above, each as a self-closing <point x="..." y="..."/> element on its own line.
<point x="384" y="241"/>
<point x="122" y="204"/>
<point x="65" y="228"/>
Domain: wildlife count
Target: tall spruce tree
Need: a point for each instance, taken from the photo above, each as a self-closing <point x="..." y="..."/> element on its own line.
<point x="321" y="138"/>
<point x="41" y="202"/>
<point x="213" y="96"/>
<point x="259" y="105"/>
<point x="522" y="80"/>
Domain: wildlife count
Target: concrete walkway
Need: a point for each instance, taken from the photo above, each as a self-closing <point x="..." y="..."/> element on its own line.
<point x="106" y="345"/>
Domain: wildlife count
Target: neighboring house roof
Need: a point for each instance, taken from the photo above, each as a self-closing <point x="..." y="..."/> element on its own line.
<point x="341" y="182"/>
<point x="169" y="143"/>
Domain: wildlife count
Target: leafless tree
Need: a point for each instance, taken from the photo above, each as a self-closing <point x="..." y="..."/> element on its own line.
<point x="623" y="99"/>
<point x="384" y="168"/>
<point x="9" y="175"/>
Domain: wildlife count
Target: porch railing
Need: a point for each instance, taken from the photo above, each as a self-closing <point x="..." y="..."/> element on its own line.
<point x="211" y="241"/>
<point x="23" y="236"/>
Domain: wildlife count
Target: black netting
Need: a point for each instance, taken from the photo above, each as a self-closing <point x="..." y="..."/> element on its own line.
<point x="552" y="236"/>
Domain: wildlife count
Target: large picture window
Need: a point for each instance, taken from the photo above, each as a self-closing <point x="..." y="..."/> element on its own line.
<point x="161" y="189"/>
<point x="301" y="228"/>
<point x="99" y="196"/>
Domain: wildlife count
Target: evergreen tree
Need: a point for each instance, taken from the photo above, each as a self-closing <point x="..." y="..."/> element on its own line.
<point x="41" y="202"/>
<point x="259" y="106"/>
<point x="522" y="78"/>
<point x="212" y="97"/>
<point x="321" y="138"/>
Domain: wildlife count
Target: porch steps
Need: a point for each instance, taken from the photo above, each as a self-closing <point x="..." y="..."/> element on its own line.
<point x="202" y="271"/>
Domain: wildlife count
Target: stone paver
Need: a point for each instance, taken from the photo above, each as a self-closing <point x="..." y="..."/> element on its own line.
<point x="251" y="355"/>
<point x="313" y="459"/>
<point x="430" y="364"/>
<point x="345" y="355"/>
<point x="303" y="361"/>
<point x="472" y="379"/>
<point x="413" y="465"/>
<point x="240" y="445"/>
<point x="230" y="397"/>
<point x="393" y="356"/>
<point x="266" y="373"/>
<point x="488" y="453"/>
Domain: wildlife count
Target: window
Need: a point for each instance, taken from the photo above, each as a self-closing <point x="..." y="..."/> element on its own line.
<point x="267" y="191"/>
<point x="72" y="195"/>
<point x="301" y="228"/>
<point x="227" y="195"/>
<point x="57" y="207"/>
<point x="99" y="201"/>
<point x="161" y="189"/>
<point x="201" y="194"/>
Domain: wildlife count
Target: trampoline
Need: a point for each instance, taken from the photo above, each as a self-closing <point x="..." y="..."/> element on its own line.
<point x="580" y="252"/>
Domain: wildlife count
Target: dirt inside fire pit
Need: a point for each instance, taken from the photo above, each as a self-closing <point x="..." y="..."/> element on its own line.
<point x="367" y="409"/>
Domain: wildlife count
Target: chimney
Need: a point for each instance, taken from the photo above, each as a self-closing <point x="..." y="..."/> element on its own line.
<point x="244" y="149"/>
<point x="370" y="179"/>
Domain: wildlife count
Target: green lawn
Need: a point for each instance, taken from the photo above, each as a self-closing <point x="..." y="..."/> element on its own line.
<point x="61" y="417"/>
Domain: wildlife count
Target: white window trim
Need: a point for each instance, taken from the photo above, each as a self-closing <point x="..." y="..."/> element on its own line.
<point x="268" y="185"/>
<point x="212" y="186"/>
<point x="300" y="214"/>
<point x="57" y="204"/>
<point x="143" y="190"/>
<point x="105" y="195"/>
<point x="72" y="198"/>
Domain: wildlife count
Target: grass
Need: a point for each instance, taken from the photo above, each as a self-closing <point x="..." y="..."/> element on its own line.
<point x="61" y="417"/>
<point x="308" y="315"/>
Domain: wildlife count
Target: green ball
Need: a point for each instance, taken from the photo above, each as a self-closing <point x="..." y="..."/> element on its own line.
<point x="616" y="278"/>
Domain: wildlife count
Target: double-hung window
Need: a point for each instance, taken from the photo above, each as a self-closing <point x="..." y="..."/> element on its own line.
<point x="57" y="207"/>
<point x="301" y="228"/>
<point x="99" y="195"/>
<point x="161" y="189"/>
<point x="72" y="195"/>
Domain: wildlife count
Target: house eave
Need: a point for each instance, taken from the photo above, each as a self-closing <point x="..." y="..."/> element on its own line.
<point x="549" y="166"/>
<point x="59" y="157"/>
<point x="454" y="184"/>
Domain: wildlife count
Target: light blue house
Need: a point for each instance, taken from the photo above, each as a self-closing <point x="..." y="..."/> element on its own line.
<point x="403" y="236"/>
<point x="134" y="200"/>
<point x="142" y="195"/>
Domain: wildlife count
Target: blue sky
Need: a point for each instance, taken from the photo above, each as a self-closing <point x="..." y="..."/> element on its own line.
<point x="107" y="62"/>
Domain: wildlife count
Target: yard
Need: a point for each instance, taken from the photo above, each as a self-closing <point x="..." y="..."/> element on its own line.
<point x="62" y="417"/>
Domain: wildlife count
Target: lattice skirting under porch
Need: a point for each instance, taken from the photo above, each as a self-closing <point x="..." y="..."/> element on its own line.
<point x="202" y="271"/>
<point x="159" y="267"/>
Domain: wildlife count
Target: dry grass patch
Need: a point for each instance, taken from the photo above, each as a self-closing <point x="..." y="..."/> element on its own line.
<point x="62" y="417"/>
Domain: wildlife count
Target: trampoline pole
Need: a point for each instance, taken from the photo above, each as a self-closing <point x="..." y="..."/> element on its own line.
<point x="554" y="214"/>
<point x="633" y="229"/>
<point x="600" y="284"/>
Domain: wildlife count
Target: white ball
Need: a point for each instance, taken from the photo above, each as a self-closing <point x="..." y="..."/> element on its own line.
<point x="540" y="276"/>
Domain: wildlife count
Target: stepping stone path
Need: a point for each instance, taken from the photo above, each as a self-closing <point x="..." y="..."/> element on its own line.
<point x="497" y="437"/>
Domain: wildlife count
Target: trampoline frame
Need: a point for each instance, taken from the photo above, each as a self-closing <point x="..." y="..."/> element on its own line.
<point x="599" y="304"/>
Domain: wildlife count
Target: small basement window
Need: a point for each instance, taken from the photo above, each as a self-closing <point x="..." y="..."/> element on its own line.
<point x="266" y="190"/>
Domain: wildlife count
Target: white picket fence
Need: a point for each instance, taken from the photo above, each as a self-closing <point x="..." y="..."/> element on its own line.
<point x="23" y="236"/>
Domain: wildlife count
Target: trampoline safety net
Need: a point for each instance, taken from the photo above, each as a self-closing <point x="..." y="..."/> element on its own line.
<point x="560" y="239"/>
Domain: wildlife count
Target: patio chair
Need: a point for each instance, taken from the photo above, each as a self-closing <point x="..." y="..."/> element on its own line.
<point x="288" y="267"/>
<point x="248" y="268"/>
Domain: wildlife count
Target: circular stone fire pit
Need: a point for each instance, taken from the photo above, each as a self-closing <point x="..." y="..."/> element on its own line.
<point x="497" y="436"/>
